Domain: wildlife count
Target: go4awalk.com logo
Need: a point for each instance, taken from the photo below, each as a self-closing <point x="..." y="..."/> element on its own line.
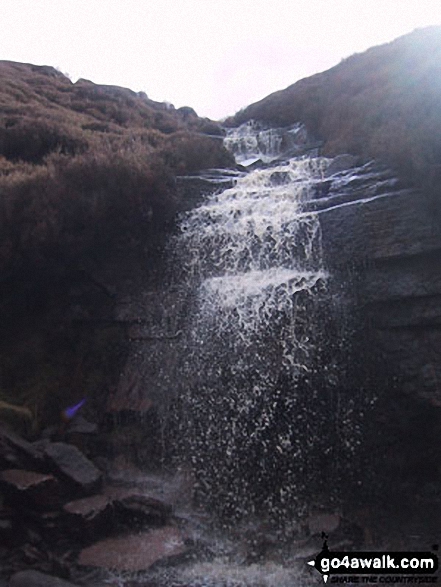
<point x="376" y="567"/>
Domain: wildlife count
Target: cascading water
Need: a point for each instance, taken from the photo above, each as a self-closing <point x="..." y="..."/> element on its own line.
<point x="251" y="142"/>
<point x="261" y="434"/>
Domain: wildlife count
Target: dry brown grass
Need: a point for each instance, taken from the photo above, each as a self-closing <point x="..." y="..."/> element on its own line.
<point x="85" y="167"/>
<point x="87" y="175"/>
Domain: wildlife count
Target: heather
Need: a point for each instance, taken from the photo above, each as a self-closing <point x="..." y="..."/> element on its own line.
<point x="88" y="195"/>
<point x="87" y="167"/>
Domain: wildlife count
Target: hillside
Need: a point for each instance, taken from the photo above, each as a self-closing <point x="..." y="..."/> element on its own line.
<point x="87" y="188"/>
<point x="74" y="156"/>
<point x="383" y="103"/>
<point x="88" y="196"/>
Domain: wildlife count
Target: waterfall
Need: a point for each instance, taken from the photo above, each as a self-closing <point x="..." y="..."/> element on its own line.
<point x="255" y="421"/>
<point x="251" y="142"/>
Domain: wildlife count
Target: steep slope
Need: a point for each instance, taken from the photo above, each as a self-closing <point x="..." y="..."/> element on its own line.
<point x="383" y="103"/>
<point x="87" y="197"/>
<point x="74" y="155"/>
<point x="382" y="243"/>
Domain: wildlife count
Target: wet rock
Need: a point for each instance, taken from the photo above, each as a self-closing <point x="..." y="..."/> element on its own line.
<point x="89" y="518"/>
<point x="15" y="452"/>
<point x="80" y="425"/>
<point x="29" y="489"/>
<point x="135" y="510"/>
<point x="323" y="522"/>
<point x="340" y="163"/>
<point x="36" y="579"/>
<point x="135" y="552"/>
<point x="80" y="474"/>
<point x="82" y="434"/>
<point x="92" y="517"/>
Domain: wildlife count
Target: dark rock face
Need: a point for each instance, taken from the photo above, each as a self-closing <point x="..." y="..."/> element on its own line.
<point x="382" y="245"/>
<point x="385" y="242"/>
<point x="72" y="465"/>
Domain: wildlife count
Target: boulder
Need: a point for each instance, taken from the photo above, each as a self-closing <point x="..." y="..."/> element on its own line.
<point x="32" y="578"/>
<point x="30" y="490"/>
<point x="187" y="112"/>
<point x="92" y="517"/>
<point x="136" y="510"/>
<point x="135" y="552"/>
<point x="15" y="452"/>
<point x="80" y="425"/>
<point x="79" y="474"/>
<point x="89" y="518"/>
<point x="82" y="434"/>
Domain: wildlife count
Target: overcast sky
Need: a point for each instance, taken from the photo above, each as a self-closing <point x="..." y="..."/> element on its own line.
<point x="214" y="55"/>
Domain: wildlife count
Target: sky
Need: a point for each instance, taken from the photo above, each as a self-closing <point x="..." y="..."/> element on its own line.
<point x="216" y="56"/>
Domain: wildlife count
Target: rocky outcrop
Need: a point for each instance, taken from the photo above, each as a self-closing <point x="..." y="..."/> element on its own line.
<point x="30" y="489"/>
<point x="73" y="467"/>
<point x="154" y="311"/>
<point x="135" y="552"/>
<point x="15" y="452"/>
<point x="42" y="527"/>
<point x="383" y="243"/>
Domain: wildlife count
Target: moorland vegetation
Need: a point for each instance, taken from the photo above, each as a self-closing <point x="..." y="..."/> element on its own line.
<point x="87" y="174"/>
<point x="383" y="103"/>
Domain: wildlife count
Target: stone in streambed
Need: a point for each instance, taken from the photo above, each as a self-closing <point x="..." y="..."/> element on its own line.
<point x="136" y="510"/>
<point x="89" y="518"/>
<point x="135" y="552"/>
<point x="17" y="453"/>
<point x="36" y="579"/>
<point x="73" y="467"/>
<point x="323" y="522"/>
<point x="31" y="490"/>
<point x="92" y="517"/>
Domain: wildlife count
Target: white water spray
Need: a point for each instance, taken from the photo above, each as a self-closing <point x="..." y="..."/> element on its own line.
<point x="253" y="255"/>
<point x="260" y="420"/>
